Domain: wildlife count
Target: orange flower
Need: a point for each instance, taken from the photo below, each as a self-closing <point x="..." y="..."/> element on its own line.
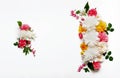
<point x="83" y="46"/>
<point x="101" y="27"/>
<point x="81" y="29"/>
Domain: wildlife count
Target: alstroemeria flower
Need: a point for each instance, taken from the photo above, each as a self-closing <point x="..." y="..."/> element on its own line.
<point x="92" y="12"/>
<point x="96" y="65"/>
<point x="25" y="27"/>
<point x="103" y="37"/>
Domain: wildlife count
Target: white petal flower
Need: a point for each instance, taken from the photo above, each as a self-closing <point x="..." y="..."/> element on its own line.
<point x="26" y="34"/>
<point x="90" y="21"/>
<point x="102" y="47"/>
<point x="90" y="54"/>
<point x="90" y="37"/>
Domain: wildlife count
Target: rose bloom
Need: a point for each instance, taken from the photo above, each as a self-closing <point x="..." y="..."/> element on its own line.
<point x="25" y="27"/>
<point x="96" y="65"/>
<point x="22" y="43"/>
<point x="92" y="12"/>
<point x="103" y="37"/>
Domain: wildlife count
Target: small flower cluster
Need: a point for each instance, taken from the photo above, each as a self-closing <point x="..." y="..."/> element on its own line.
<point x="93" y="32"/>
<point x="25" y="36"/>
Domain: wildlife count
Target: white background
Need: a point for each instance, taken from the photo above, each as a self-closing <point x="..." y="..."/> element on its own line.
<point x="57" y="42"/>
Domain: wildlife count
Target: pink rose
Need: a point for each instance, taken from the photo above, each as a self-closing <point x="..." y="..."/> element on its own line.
<point x="96" y="65"/>
<point x="80" y="35"/>
<point x="22" y="43"/>
<point x="92" y="12"/>
<point x="25" y="27"/>
<point x="103" y="37"/>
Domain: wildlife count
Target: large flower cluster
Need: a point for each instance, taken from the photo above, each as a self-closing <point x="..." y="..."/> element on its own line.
<point x="93" y="32"/>
<point x="25" y="36"/>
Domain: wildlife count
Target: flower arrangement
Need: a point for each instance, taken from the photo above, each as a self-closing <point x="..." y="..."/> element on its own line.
<point x="26" y="35"/>
<point x="93" y="32"/>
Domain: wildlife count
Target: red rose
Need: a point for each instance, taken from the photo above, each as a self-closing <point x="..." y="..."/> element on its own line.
<point x="96" y="65"/>
<point x="22" y="43"/>
<point x="92" y="12"/>
<point x="25" y="27"/>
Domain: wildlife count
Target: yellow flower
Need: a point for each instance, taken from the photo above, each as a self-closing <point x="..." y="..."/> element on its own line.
<point x="83" y="46"/>
<point x="101" y="27"/>
<point x="81" y="29"/>
<point x="82" y="52"/>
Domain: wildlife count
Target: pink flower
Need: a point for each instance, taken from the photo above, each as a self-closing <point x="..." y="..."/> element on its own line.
<point x="22" y="43"/>
<point x="80" y="35"/>
<point x="81" y="67"/>
<point x="96" y="65"/>
<point x="77" y="17"/>
<point x="33" y="51"/>
<point x="25" y="27"/>
<point x="92" y="12"/>
<point x="103" y="37"/>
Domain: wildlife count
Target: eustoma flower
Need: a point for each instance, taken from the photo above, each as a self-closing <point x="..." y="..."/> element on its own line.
<point x="93" y="32"/>
<point x="26" y="35"/>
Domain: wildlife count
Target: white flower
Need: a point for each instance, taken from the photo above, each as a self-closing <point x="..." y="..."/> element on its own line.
<point x="90" y="37"/>
<point x="102" y="47"/>
<point x="90" y="54"/>
<point x="26" y="34"/>
<point x="90" y="21"/>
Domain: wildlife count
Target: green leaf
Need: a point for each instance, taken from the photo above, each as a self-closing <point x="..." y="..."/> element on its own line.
<point x="90" y="65"/>
<point x="86" y="7"/>
<point x="107" y="32"/>
<point x="29" y="49"/>
<point x="111" y="58"/>
<point x="19" y="23"/>
<point x="109" y="25"/>
<point x="109" y="53"/>
<point x="86" y="70"/>
<point x="77" y="12"/>
<point x="108" y="28"/>
<point x="112" y="29"/>
<point x="15" y="44"/>
<point x="106" y="57"/>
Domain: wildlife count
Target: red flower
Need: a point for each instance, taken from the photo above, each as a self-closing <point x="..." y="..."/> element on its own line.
<point x="22" y="43"/>
<point x="80" y="35"/>
<point x="28" y="42"/>
<point x="25" y="27"/>
<point x="96" y="65"/>
<point x="92" y="12"/>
